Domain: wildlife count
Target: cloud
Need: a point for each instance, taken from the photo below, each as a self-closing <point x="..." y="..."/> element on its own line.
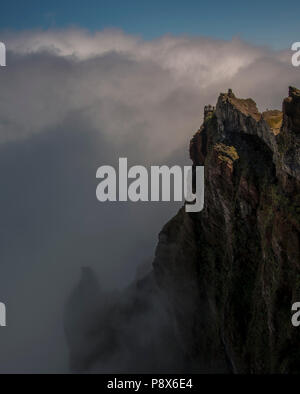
<point x="71" y="101"/>
<point x="155" y="89"/>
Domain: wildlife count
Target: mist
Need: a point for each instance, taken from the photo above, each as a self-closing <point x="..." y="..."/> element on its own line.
<point x="71" y="101"/>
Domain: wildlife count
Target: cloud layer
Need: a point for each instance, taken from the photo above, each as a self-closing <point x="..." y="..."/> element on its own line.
<point x="152" y="89"/>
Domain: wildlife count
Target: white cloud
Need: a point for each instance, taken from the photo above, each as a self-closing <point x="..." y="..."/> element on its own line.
<point x="129" y="87"/>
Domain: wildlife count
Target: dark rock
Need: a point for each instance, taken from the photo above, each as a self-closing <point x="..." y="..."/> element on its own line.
<point x="232" y="271"/>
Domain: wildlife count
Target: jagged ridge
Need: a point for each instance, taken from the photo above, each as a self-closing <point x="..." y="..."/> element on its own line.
<point x="232" y="271"/>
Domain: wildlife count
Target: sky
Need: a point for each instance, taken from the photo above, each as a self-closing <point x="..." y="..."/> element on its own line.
<point x="272" y="23"/>
<point x="84" y="86"/>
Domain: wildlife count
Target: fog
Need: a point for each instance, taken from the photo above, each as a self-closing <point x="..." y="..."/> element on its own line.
<point x="71" y="101"/>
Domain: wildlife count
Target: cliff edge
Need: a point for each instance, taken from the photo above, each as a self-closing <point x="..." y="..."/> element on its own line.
<point x="232" y="271"/>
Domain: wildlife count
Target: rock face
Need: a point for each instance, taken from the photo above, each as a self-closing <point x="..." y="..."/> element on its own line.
<point x="224" y="279"/>
<point x="232" y="271"/>
<point x="289" y="138"/>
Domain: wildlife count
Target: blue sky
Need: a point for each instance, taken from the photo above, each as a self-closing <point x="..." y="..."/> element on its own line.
<point x="274" y="23"/>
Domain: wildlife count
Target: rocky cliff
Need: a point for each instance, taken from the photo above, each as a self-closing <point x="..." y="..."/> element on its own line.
<point x="231" y="272"/>
<point x="224" y="280"/>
